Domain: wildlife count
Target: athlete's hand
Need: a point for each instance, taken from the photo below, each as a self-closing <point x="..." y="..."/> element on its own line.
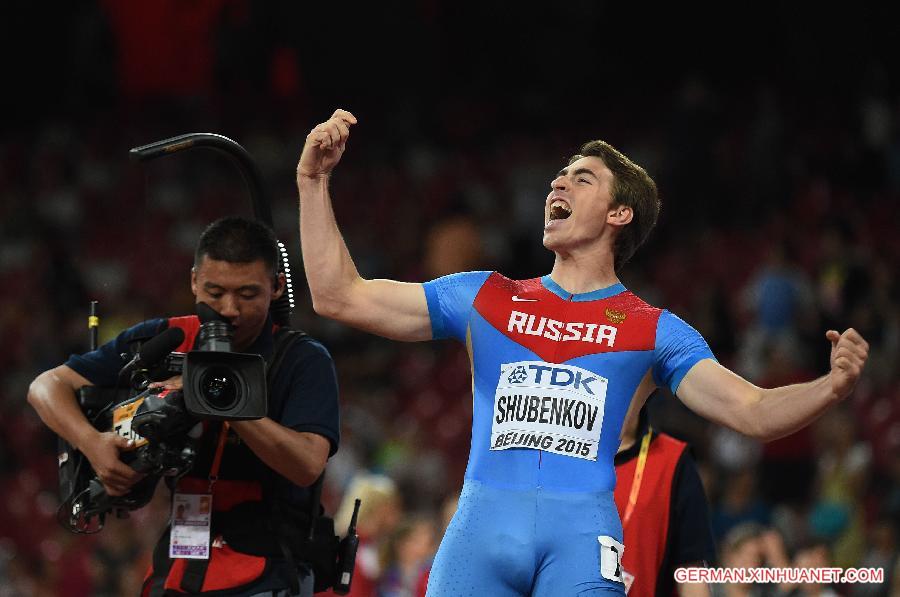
<point x="103" y="454"/>
<point x="325" y="145"/>
<point x="849" y="352"/>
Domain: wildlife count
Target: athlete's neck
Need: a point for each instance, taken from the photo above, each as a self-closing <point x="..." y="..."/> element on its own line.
<point x="579" y="274"/>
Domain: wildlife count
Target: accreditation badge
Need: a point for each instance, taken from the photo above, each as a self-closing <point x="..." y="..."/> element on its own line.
<point x="191" y="515"/>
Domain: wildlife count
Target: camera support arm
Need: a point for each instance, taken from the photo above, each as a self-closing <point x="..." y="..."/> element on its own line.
<point x="246" y="165"/>
<point x="281" y="308"/>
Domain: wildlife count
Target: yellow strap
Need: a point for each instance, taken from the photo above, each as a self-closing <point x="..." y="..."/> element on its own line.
<point x="638" y="477"/>
<point x="93" y="321"/>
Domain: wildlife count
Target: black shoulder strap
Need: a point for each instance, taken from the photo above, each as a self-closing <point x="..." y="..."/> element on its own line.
<point x="284" y="339"/>
<point x="162" y="564"/>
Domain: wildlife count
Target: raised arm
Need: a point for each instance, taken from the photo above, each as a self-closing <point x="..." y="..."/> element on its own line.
<point x="723" y="397"/>
<point x="388" y="308"/>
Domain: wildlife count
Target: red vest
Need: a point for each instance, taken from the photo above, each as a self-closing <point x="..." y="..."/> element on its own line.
<point x="228" y="569"/>
<point x="646" y="533"/>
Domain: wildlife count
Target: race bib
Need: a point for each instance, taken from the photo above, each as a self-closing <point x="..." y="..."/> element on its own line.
<point x="611" y="558"/>
<point x="550" y="407"/>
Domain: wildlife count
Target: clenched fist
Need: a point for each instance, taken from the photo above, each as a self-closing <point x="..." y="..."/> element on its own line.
<point x="849" y="352"/>
<point x="325" y="145"/>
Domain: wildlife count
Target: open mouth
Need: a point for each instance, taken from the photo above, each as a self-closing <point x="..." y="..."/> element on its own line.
<point x="559" y="210"/>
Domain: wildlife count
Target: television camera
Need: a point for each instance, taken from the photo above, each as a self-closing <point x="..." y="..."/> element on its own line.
<point x="163" y="425"/>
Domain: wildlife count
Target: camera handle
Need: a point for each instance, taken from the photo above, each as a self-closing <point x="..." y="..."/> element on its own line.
<point x="281" y="308"/>
<point x="246" y="165"/>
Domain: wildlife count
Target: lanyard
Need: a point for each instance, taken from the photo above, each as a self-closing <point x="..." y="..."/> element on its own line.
<point x="217" y="459"/>
<point x="638" y="477"/>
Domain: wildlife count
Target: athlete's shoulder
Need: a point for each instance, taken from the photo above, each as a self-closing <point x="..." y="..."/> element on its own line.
<point x="673" y="326"/>
<point x="498" y="278"/>
<point x="632" y="303"/>
<point x="498" y="282"/>
<point x="479" y="283"/>
<point x="450" y="300"/>
<point x="458" y="282"/>
<point x="636" y="319"/>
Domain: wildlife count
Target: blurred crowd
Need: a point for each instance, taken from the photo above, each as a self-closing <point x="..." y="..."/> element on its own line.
<point x="780" y="221"/>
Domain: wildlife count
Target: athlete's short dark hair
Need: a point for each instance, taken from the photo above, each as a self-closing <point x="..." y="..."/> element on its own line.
<point x="238" y="240"/>
<point x="632" y="187"/>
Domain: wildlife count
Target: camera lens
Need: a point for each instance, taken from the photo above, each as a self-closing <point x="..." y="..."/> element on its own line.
<point x="219" y="387"/>
<point x="215" y="336"/>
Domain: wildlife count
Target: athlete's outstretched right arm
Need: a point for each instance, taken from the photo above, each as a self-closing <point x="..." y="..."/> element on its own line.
<point x="388" y="308"/>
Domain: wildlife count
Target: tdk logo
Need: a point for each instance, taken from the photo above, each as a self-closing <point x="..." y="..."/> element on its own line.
<point x="552" y="329"/>
<point x="518" y="375"/>
<point x="548" y="376"/>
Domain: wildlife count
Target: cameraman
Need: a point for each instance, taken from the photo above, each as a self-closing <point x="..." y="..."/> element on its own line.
<point x="266" y="465"/>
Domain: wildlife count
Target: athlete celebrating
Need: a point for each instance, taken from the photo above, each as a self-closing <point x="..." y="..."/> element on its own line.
<point x="557" y="363"/>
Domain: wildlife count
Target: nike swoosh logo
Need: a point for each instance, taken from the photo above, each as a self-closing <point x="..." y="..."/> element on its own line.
<point x="517" y="299"/>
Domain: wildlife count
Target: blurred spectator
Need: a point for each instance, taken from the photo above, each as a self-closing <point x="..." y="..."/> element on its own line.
<point x="777" y="297"/>
<point x="453" y="245"/>
<point x="814" y="555"/>
<point x="739" y="504"/>
<point x="751" y="545"/>
<point x="741" y="548"/>
<point x="408" y="556"/>
<point x="881" y="552"/>
<point x="841" y="483"/>
<point x="447" y="511"/>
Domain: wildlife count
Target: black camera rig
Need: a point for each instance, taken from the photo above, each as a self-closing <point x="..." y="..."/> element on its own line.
<point x="163" y="425"/>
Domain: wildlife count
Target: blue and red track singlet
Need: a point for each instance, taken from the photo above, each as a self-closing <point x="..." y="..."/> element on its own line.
<point x="553" y="376"/>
